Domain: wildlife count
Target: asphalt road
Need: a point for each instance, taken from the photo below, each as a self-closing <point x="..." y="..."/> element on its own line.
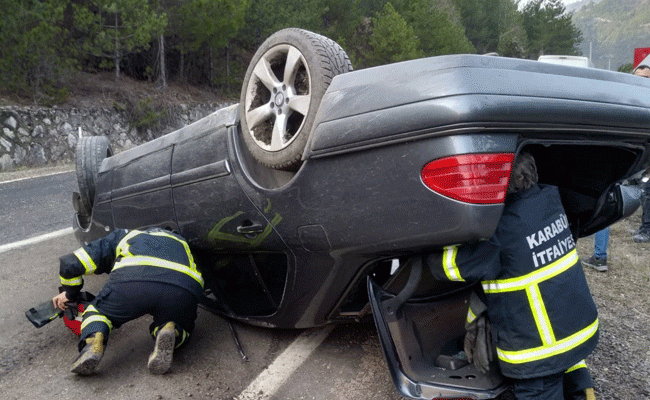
<point x="32" y="207"/>
<point x="34" y="363"/>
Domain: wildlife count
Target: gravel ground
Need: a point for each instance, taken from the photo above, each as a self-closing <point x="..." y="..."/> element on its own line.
<point x="620" y="365"/>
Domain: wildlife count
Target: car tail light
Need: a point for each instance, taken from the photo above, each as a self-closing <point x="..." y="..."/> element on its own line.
<point x="471" y="178"/>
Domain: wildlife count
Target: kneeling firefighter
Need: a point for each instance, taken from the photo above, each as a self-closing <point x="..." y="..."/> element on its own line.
<point x="543" y="318"/>
<point x="151" y="272"/>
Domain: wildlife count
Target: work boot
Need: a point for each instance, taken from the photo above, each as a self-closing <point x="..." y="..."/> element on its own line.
<point x="589" y="394"/>
<point x="641" y="237"/>
<point x="90" y="355"/>
<point x="597" y="263"/>
<point x="160" y="359"/>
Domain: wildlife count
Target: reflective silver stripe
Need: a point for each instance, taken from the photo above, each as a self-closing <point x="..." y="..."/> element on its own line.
<point x="158" y="262"/>
<point x="72" y="282"/>
<point x="86" y="261"/>
<point x="521" y="283"/>
<point x="542" y="352"/>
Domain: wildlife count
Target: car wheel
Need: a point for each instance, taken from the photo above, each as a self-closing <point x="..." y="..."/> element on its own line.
<point x="282" y="90"/>
<point x="90" y="152"/>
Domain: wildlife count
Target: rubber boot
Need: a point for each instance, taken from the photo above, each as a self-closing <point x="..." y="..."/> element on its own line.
<point x="90" y="355"/>
<point x="160" y="360"/>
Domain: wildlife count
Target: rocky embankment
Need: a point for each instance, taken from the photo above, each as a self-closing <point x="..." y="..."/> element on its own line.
<point x="38" y="136"/>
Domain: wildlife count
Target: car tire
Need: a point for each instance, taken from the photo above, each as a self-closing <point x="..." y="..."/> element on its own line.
<point x="90" y="152"/>
<point x="282" y="90"/>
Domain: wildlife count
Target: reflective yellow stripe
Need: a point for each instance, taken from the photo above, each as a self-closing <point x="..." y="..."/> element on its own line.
<point x="470" y="316"/>
<point x="539" y="313"/>
<point x="184" y="335"/>
<point x="122" y="249"/>
<point x="542" y="352"/>
<point x="86" y="261"/>
<point x="542" y="274"/>
<point x="158" y="262"/>
<point x="94" y="318"/>
<point x="581" y="364"/>
<point x="185" y="245"/>
<point x="72" y="282"/>
<point x="530" y="283"/>
<point x="449" y="264"/>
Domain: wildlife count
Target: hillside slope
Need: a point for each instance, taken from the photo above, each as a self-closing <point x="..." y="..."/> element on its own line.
<point x="89" y="90"/>
<point x="613" y="28"/>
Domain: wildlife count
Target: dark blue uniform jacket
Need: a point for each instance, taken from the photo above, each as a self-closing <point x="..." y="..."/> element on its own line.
<point x="537" y="296"/>
<point x="153" y="255"/>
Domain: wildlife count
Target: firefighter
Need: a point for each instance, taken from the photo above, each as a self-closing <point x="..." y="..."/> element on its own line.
<point x="543" y="319"/>
<point x="151" y="272"/>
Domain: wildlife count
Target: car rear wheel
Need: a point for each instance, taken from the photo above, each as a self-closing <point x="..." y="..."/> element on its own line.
<point x="282" y="89"/>
<point x="90" y="152"/>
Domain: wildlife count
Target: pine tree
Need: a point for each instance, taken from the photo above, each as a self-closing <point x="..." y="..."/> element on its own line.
<point x="392" y="39"/>
<point x="112" y="29"/>
<point x="550" y="29"/>
<point x="33" y="47"/>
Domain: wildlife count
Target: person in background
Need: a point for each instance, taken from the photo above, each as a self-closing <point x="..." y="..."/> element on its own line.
<point x="151" y="272"/>
<point x="643" y="233"/>
<point x="598" y="260"/>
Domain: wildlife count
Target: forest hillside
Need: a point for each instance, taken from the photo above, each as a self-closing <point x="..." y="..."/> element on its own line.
<point x="611" y="29"/>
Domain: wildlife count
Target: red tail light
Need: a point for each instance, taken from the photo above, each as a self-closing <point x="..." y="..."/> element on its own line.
<point x="471" y="178"/>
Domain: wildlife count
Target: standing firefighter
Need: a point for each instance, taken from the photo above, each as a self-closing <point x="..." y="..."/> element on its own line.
<point x="151" y="272"/>
<point x="542" y="315"/>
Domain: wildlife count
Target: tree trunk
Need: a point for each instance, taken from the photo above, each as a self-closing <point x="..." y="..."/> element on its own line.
<point x="163" y="66"/>
<point x="116" y="58"/>
<point x="228" y="67"/>
<point x="211" y="77"/>
<point x="182" y="66"/>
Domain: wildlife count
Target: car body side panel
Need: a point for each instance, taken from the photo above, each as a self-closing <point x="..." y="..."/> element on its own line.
<point x="212" y="210"/>
<point x="141" y="193"/>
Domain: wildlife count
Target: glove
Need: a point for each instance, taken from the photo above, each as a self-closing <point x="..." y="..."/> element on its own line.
<point x="478" y="340"/>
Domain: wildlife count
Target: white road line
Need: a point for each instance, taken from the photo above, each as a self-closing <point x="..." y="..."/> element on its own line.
<point x="270" y="380"/>
<point x="37" y="239"/>
<point x="37" y="176"/>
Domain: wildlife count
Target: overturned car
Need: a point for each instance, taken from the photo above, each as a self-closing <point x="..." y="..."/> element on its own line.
<point x="306" y="202"/>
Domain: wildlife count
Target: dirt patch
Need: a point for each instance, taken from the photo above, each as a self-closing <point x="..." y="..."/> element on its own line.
<point x="102" y="89"/>
<point x="620" y="365"/>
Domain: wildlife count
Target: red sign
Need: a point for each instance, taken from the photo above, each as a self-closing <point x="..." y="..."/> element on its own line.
<point x="639" y="54"/>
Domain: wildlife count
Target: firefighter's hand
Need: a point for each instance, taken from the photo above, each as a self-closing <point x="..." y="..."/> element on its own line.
<point x="61" y="301"/>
